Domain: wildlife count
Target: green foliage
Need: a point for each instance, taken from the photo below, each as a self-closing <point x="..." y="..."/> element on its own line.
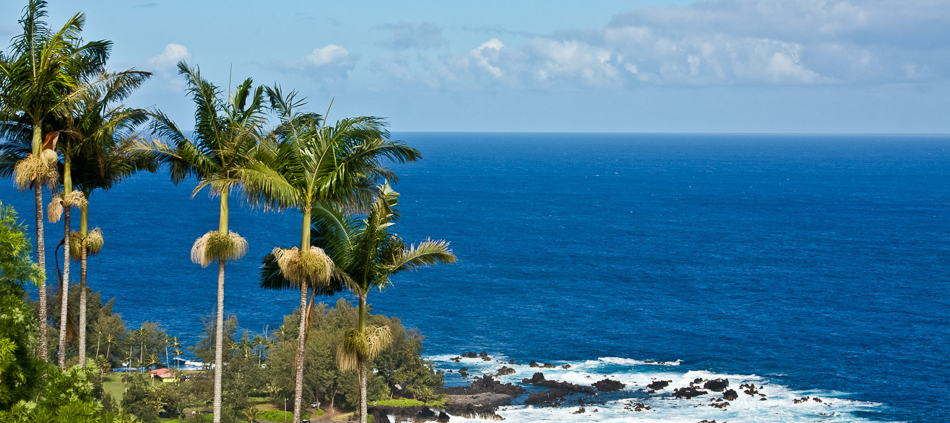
<point x="64" y="397"/>
<point x="409" y="402"/>
<point x="19" y="371"/>
<point x="16" y="266"/>
<point x="108" y="337"/>
<point x="279" y="416"/>
<point x="404" y="369"/>
<point x="139" y="399"/>
<point x="401" y="363"/>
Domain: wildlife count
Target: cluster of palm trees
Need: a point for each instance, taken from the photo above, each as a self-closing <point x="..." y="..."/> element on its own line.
<point x="63" y="127"/>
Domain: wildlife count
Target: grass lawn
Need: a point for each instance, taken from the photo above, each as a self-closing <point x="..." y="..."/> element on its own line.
<point x="112" y="385"/>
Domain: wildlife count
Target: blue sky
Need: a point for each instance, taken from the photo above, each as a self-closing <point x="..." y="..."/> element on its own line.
<point x="772" y="66"/>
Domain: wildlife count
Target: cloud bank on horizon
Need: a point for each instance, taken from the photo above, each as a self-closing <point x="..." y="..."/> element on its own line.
<point x="762" y="42"/>
<point x="717" y="65"/>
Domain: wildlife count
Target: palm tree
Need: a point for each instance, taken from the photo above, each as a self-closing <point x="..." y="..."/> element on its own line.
<point x="37" y="79"/>
<point x="109" y="342"/>
<point x="367" y="252"/>
<point x="99" y="142"/>
<point x="220" y="154"/>
<point x="176" y="350"/>
<point x="320" y="163"/>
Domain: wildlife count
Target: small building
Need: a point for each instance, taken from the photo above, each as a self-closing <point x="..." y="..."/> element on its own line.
<point x="165" y="375"/>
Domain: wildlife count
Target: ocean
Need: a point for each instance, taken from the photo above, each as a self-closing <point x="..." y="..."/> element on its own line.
<point x="810" y="265"/>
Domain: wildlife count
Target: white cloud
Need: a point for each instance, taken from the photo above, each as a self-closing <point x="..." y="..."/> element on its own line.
<point x="572" y="59"/>
<point x="487" y="53"/>
<point x="329" y="64"/>
<point x="327" y="55"/>
<point x="171" y="55"/>
<point x="715" y="42"/>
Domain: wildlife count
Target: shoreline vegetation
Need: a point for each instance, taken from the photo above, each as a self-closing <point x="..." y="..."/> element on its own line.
<point x="64" y="129"/>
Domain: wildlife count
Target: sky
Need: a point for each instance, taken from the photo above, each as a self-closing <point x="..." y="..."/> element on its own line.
<point x="721" y="66"/>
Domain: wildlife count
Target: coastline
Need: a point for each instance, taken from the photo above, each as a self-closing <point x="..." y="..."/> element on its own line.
<point x="482" y="387"/>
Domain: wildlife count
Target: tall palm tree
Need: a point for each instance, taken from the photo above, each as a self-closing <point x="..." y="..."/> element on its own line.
<point x="320" y="163"/>
<point x="99" y="142"/>
<point x="219" y="154"/>
<point x="367" y="252"/>
<point x="37" y="78"/>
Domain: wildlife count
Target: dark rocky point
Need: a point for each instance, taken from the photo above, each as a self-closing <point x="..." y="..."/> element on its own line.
<point x="659" y="384"/>
<point x="688" y="393"/>
<point x="503" y="371"/>
<point x="730" y="395"/>
<point x="426" y="414"/>
<point x="716" y="385"/>
<point x="608" y="385"/>
<point x="538" y="380"/>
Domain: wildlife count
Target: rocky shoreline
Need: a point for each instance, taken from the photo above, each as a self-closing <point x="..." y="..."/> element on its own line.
<point x="483" y="397"/>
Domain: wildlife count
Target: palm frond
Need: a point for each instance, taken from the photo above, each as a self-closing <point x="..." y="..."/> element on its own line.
<point x="428" y="252"/>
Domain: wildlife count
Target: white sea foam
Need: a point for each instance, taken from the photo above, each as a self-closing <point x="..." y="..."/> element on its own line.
<point x="632" y="362"/>
<point x="779" y="404"/>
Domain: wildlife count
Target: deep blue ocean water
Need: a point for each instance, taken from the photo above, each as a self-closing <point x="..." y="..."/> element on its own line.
<point x="817" y="262"/>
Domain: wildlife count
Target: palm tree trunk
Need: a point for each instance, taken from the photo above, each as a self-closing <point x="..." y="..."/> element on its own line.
<point x="219" y="344"/>
<point x="219" y="331"/>
<point x="361" y="361"/>
<point x="304" y="320"/>
<point x="363" y="376"/>
<point x="64" y="309"/>
<point x="301" y="345"/>
<point x="41" y="262"/>
<point x="83" y="230"/>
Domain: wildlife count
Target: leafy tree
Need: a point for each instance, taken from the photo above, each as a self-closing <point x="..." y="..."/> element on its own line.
<point x="139" y="399"/>
<point x="320" y="163"/>
<point x="403" y="368"/>
<point x="323" y="379"/>
<point x="18" y="370"/>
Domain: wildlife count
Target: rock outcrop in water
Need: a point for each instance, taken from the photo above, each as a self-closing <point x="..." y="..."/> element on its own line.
<point x="608" y="385"/>
<point x="539" y="380"/>
<point x="716" y="385"/>
<point x="688" y="392"/>
<point x="504" y="371"/>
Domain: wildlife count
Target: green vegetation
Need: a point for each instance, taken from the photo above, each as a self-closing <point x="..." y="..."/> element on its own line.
<point x="409" y="402"/>
<point x="280" y="416"/>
